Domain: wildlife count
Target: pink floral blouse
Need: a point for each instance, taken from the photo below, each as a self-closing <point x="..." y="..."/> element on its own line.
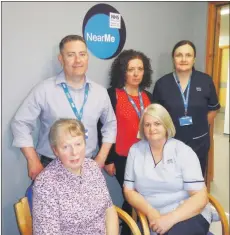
<point x="67" y="204"/>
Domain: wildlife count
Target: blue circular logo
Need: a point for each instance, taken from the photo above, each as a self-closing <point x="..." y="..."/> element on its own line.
<point x="104" y="31"/>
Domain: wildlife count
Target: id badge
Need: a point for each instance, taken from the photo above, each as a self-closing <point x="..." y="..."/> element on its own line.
<point x="86" y="134"/>
<point x="185" y="121"/>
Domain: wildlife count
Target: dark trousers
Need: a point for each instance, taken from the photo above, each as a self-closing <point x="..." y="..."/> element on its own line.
<point x="196" y="225"/>
<point x="120" y="163"/>
<point x="45" y="160"/>
<point x="201" y="147"/>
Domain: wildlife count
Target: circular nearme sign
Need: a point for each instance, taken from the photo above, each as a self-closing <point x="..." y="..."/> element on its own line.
<point x="104" y="31"/>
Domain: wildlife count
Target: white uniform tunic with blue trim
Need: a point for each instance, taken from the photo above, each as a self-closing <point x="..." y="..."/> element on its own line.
<point x="165" y="185"/>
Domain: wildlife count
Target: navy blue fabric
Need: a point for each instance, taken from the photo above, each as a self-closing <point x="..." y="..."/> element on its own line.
<point x="196" y="225"/>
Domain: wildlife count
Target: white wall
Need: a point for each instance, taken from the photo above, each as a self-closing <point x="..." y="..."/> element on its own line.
<point x="226" y="115"/>
<point x="223" y="41"/>
<point x="31" y="32"/>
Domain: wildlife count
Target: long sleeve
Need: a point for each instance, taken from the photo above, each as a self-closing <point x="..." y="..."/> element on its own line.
<point x="24" y="122"/>
<point x="45" y="208"/>
<point x="109" y="122"/>
<point x="101" y="183"/>
<point x="112" y="153"/>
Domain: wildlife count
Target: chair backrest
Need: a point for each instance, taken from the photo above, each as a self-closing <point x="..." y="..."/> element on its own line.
<point x="212" y="200"/>
<point x="128" y="220"/>
<point x="23" y="216"/>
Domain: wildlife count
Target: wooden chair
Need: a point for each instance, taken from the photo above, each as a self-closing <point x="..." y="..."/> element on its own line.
<point x="212" y="200"/>
<point x="128" y="220"/>
<point x="23" y="216"/>
<point x="143" y="220"/>
<point x="221" y="213"/>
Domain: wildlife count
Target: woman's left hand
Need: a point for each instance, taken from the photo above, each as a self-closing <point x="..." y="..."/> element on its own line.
<point x="162" y="224"/>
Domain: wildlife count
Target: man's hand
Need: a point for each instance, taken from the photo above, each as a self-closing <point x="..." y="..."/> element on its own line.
<point x="33" y="162"/>
<point x="100" y="161"/>
<point x="162" y="224"/>
<point x="34" y="167"/>
<point x="110" y="169"/>
<point x="102" y="154"/>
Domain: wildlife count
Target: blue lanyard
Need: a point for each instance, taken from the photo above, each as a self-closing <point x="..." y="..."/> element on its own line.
<point x="185" y="100"/>
<point x="134" y="105"/>
<point x="68" y="96"/>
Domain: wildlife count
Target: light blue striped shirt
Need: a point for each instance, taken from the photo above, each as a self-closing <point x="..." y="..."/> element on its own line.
<point x="48" y="103"/>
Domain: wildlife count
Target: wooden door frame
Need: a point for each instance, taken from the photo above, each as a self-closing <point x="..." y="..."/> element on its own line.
<point x="212" y="64"/>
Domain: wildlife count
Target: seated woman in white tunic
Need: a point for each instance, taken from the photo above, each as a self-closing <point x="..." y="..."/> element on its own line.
<point x="163" y="178"/>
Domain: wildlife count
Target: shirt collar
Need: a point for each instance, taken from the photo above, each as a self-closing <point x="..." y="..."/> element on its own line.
<point x="61" y="78"/>
<point x="63" y="169"/>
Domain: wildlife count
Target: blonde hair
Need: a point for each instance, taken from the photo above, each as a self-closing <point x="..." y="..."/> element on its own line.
<point x="159" y="112"/>
<point x="65" y="126"/>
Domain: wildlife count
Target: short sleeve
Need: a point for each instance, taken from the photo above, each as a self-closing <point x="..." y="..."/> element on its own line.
<point x="213" y="103"/>
<point x="129" y="178"/>
<point x="190" y="168"/>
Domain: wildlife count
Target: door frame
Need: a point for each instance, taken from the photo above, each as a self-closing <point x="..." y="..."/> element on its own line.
<point x="212" y="64"/>
<point x="218" y="78"/>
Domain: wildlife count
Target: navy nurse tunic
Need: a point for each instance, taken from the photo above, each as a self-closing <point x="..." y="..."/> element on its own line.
<point x="202" y="99"/>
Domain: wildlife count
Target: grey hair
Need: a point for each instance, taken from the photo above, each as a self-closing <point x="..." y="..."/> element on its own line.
<point x="65" y="126"/>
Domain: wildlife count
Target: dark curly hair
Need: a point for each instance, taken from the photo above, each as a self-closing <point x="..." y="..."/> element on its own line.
<point x="119" y="69"/>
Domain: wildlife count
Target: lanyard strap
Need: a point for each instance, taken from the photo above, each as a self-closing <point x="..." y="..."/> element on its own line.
<point x="133" y="103"/>
<point x="185" y="100"/>
<point x="73" y="106"/>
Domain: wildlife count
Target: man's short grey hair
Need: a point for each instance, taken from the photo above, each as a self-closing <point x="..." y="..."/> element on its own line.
<point x="70" y="38"/>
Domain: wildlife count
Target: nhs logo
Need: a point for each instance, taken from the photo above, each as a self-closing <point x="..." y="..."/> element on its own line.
<point x="114" y="20"/>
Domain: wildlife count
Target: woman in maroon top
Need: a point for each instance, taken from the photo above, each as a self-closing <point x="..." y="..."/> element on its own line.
<point x="130" y="74"/>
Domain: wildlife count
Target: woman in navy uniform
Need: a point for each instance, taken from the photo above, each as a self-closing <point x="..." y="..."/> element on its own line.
<point x="190" y="98"/>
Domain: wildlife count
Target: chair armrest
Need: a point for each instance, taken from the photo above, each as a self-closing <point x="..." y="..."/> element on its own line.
<point x="221" y="212"/>
<point x="128" y="220"/>
<point x="143" y="220"/>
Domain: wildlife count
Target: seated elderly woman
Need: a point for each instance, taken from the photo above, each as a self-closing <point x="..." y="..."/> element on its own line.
<point x="163" y="178"/>
<point x="70" y="195"/>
